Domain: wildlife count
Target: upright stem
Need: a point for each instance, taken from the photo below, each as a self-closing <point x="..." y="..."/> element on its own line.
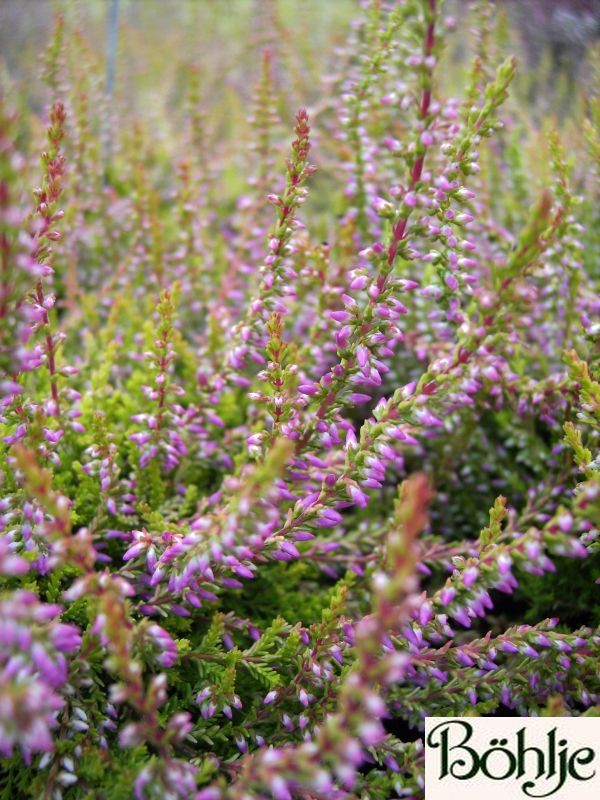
<point x="417" y="170"/>
<point x="50" y="349"/>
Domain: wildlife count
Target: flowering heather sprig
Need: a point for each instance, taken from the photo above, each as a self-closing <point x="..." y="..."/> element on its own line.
<point x="45" y="218"/>
<point x="23" y="303"/>
<point x="281" y="373"/>
<point x="102" y="462"/>
<point x="358" y="100"/>
<point x="33" y="671"/>
<point x="45" y="530"/>
<point x="191" y="224"/>
<point x="525" y="665"/>
<point x="276" y="272"/>
<point x="465" y="596"/>
<point x="160" y="437"/>
<point x="426" y="139"/>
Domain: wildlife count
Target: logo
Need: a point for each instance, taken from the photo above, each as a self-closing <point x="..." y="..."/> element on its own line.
<point x="512" y="758"/>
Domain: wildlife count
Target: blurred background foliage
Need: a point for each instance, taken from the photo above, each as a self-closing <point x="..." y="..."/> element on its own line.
<point x="146" y="66"/>
<point x="158" y="40"/>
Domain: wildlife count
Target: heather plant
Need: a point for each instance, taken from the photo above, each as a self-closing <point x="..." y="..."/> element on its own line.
<point x="293" y="460"/>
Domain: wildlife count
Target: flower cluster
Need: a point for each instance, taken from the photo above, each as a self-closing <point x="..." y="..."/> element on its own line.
<point x="35" y="671"/>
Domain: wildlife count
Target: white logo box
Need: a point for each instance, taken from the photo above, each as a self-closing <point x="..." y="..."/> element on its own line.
<point x="512" y="758"/>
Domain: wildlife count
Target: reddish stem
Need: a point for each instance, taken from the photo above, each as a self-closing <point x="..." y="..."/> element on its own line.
<point x="50" y="349"/>
<point x="399" y="231"/>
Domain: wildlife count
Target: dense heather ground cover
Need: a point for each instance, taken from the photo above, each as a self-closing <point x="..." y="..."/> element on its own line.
<point x="292" y="457"/>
